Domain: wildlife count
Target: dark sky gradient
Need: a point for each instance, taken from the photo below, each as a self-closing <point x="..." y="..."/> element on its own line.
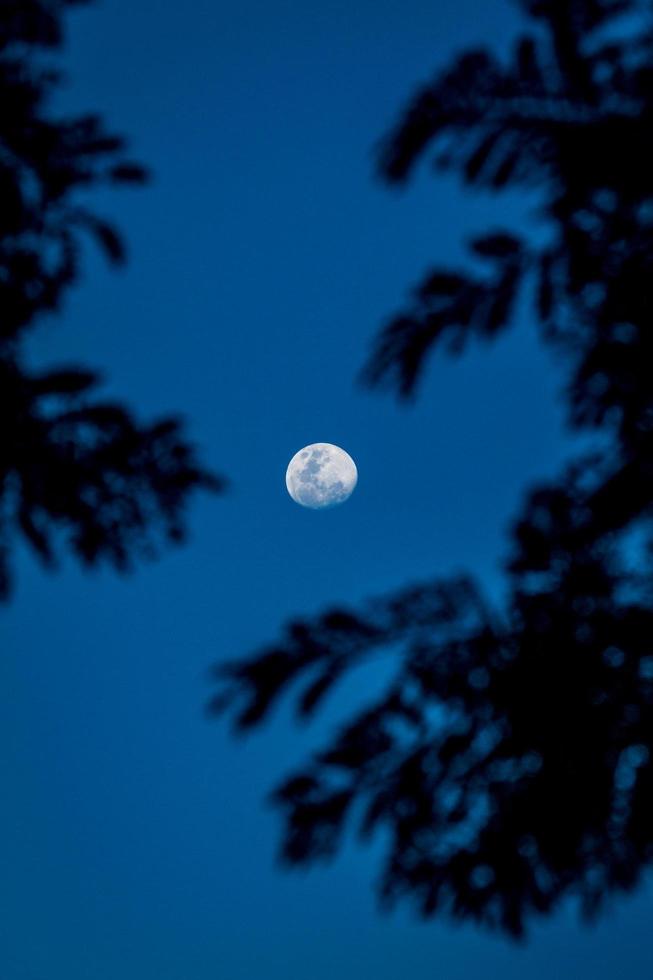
<point x="262" y="259"/>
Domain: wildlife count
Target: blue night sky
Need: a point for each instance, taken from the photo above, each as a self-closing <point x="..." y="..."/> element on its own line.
<point x="263" y="257"/>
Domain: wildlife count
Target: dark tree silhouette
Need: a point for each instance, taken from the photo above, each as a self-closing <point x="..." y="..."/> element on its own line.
<point x="510" y="761"/>
<point x="69" y="465"/>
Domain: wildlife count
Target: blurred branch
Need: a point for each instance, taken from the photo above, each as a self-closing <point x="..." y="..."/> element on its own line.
<point x="71" y="468"/>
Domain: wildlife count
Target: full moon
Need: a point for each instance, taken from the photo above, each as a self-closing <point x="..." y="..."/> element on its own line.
<point x="321" y="476"/>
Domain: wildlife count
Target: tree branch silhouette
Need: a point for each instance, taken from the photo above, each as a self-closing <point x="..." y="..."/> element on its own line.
<point x="510" y="761"/>
<point x="71" y="467"/>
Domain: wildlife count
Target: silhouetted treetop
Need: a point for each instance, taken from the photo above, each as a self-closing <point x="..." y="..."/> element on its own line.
<point x="510" y="761"/>
<point x="68" y="463"/>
